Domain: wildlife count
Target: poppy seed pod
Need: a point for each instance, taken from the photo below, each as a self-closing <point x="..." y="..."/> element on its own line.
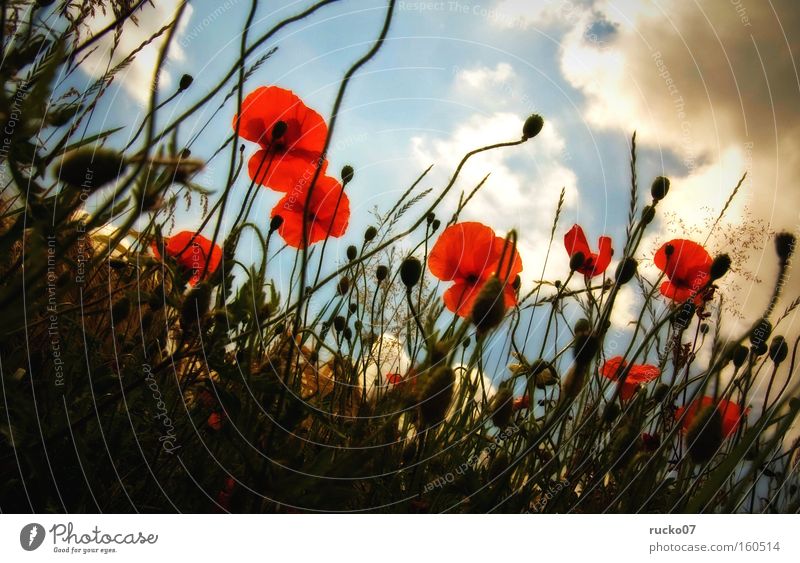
<point x="778" y="350"/>
<point x="720" y="266"/>
<point x="761" y="332"/>
<point x="739" y="355"/>
<point x="186" y="81"/>
<point x="648" y="214"/>
<point x="352" y="252"/>
<point x="347" y="174"/>
<point x="370" y="233"/>
<point x="490" y="305"/>
<point x="410" y="271"/>
<point x="784" y="246"/>
<point x="502" y="407"/>
<point x="704" y="435"/>
<point x="532" y="126"/>
<point x="626" y="270"/>
<point x="381" y="273"/>
<point x="659" y="188"/>
<point x="90" y="169"/>
<point x="435" y="396"/>
<point x="275" y="223"/>
<point x="576" y="261"/>
<point x="343" y="286"/>
<point x="195" y="304"/>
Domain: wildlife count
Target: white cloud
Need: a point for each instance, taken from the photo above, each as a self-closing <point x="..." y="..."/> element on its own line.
<point x="149" y="19"/>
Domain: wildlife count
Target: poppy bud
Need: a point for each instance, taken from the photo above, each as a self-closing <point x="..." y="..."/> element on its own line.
<point x="585" y="348"/>
<point x="381" y="273"/>
<point x="195" y="304"/>
<point x="660" y="392"/>
<point x="626" y="270"/>
<point x="704" y="435"/>
<point x="761" y="332"/>
<point x="740" y="355"/>
<point x="430" y="217"/>
<point x="466" y="343"/>
<point x="347" y="333"/>
<point x="435" y="225"/>
<point x="502" y="407"/>
<point x="683" y="317"/>
<point x="347" y="174"/>
<point x="582" y="327"/>
<point x="275" y="223"/>
<point x="720" y="266"/>
<point x="370" y="233"/>
<point x="648" y="214"/>
<point x="339" y="323"/>
<point x="784" y="246"/>
<point x="704" y="328"/>
<point x="574" y="381"/>
<point x="759" y="349"/>
<point x="90" y="169"/>
<point x="659" y="188"/>
<point x="352" y="252"/>
<point x="120" y="310"/>
<point x="611" y="412"/>
<point x="778" y="350"/>
<point x="186" y="81"/>
<point x="435" y="396"/>
<point x="278" y="130"/>
<point x="410" y="271"/>
<point x="532" y="126"/>
<point x="490" y="305"/>
<point x="343" y="286"/>
<point x="353" y="308"/>
<point x="623" y="444"/>
<point x="576" y="261"/>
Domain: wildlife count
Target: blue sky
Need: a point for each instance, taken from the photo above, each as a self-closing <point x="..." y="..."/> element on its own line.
<point x="710" y="94"/>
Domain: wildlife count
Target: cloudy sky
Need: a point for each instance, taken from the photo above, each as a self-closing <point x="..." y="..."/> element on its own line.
<point x="710" y="86"/>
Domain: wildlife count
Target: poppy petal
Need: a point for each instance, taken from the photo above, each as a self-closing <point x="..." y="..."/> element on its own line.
<point x="575" y="241"/>
<point x="460" y="297"/>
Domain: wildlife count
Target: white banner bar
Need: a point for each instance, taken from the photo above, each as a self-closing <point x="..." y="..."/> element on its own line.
<point x="390" y="538"/>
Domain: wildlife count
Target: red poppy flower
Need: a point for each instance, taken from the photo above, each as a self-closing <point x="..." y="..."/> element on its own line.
<point x="637" y="375"/>
<point x="733" y="415"/>
<point x="216" y="420"/>
<point x="284" y="163"/>
<point x="393" y="378"/>
<point x="469" y="254"/>
<point x="191" y="252"/>
<point x="687" y="266"/>
<point x="328" y="212"/>
<point x="593" y="264"/>
<point x="520" y="403"/>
